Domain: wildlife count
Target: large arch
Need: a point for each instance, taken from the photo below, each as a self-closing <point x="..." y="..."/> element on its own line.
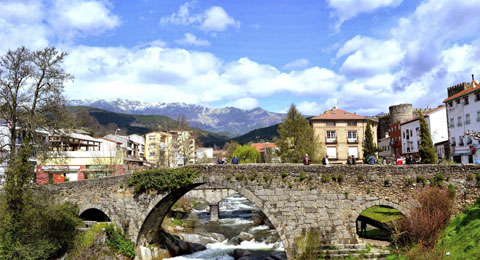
<point x="111" y="214"/>
<point x="94" y="214"/>
<point x="155" y="215"/>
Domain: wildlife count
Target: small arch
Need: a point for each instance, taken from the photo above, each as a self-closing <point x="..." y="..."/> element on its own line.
<point x="93" y="214"/>
<point x="375" y="221"/>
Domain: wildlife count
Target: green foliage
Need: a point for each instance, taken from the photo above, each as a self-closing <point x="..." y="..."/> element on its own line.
<point x="324" y="178"/>
<point x="382" y="214"/>
<point x="421" y="179"/>
<point x="253" y="176"/>
<point x="230" y="147"/>
<point x="369" y="147"/>
<point x="360" y="177"/>
<point x="303" y="176"/>
<point x="387" y="182"/>
<point x="409" y="181"/>
<point x="426" y="148"/>
<point x="438" y="179"/>
<point x="334" y="177"/>
<point x="296" y="137"/>
<point x="290" y="185"/>
<point x="266" y="133"/>
<point x="162" y="180"/>
<point x="309" y="245"/>
<point x="117" y="241"/>
<point x="477" y="177"/>
<point x="340" y="178"/>
<point x="471" y="177"/>
<point x="177" y="221"/>
<point x="368" y="191"/>
<point x="239" y="176"/>
<point x="452" y="190"/>
<point x="284" y="174"/>
<point x="246" y="154"/>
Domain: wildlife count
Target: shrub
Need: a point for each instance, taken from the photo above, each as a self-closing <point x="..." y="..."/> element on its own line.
<point x="303" y="176"/>
<point x="425" y="222"/>
<point x="334" y="177"/>
<point x="340" y="178"/>
<point x="421" y="179"/>
<point x="162" y="180"/>
<point x="284" y="174"/>
<point x="477" y="177"/>
<point x="117" y="241"/>
<point x="325" y="178"/>
<point x="239" y="176"/>
<point x="368" y="191"/>
<point x="386" y="182"/>
<point x="290" y="185"/>
<point x="360" y="177"/>
<point x="438" y="179"/>
<point x="470" y="177"/>
<point x="452" y="190"/>
<point x="409" y="181"/>
<point x="253" y="176"/>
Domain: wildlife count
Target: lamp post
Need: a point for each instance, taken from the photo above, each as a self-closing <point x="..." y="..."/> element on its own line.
<point x="116" y="130"/>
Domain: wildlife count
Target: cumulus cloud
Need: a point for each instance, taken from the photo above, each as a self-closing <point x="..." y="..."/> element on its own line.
<point x="190" y="39"/>
<point x="344" y="10"/>
<point x="297" y="64"/>
<point x="214" y="19"/>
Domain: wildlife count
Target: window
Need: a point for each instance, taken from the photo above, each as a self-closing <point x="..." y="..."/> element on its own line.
<point x="457" y="101"/>
<point x="332" y="151"/>
<point x="152" y="138"/>
<point x="453" y="141"/>
<point x="465" y="100"/>
<point x="353" y="150"/>
<point x="469" y="140"/>
<point x="152" y="153"/>
<point x="477" y="96"/>
<point x="411" y="132"/>
<point x="152" y="146"/>
<point x="352" y="123"/>
<point x="403" y="134"/>
<point x="459" y="119"/>
<point x="331" y="136"/>
<point x="352" y="134"/>
<point x="467" y="119"/>
<point x="460" y="141"/>
<point x="452" y="121"/>
<point x="330" y="123"/>
<point x="478" y="116"/>
<point x="450" y="104"/>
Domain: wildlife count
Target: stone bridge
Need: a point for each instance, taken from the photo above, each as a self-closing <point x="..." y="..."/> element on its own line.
<point x="295" y="198"/>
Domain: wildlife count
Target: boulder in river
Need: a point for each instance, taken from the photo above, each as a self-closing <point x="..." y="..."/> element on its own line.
<point x="241" y="254"/>
<point x="176" y="246"/>
<point x="244" y="236"/>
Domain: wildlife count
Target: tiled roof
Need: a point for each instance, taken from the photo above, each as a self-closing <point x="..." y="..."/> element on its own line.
<point x="463" y="93"/>
<point x="261" y="146"/>
<point x="339" y="114"/>
<point x="425" y="114"/>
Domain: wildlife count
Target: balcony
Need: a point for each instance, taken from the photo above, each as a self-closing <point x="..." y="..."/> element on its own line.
<point x="331" y="140"/>
<point x="454" y="144"/>
<point x="352" y="140"/>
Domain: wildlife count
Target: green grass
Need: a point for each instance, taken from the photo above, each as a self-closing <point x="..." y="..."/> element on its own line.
<point x="382" y="214"/>
<point x="462" y="237"/>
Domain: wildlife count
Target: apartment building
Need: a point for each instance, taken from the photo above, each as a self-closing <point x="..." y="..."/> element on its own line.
<point x="410" y="130"/>
<point x="463" y="115"/>
<point x="158" y="149"/>
<point x="341" y="134"/>
<point x="133" y="148"/>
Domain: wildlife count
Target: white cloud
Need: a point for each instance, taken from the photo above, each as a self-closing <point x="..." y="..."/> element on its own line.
<point x="214" y="19"/>
<point x="244" y="103"/>
<point x="312" y="108"/>
<point x="190" y="39"/>
<point x="344" y="10"/>
<point x="72" y="18"/>
<point x="297" y="64"/>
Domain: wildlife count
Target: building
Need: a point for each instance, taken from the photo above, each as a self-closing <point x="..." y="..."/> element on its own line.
<point x="269" y="152"/>
<point x="158" y="149"/>
<point x="341" y="134"/>
<point x="183" y="145"/>
<point x="463" y="115"/>
<point x="75" y="156"/>
<point x="397" y="114"/>
<point x="410" y="130"/>
<point x="204" y="155"/>
<point x="133" y="148"/>
<point x="385" y="145"/>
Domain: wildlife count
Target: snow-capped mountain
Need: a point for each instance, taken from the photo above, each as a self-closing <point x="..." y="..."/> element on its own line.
<point x="229" y="120"/>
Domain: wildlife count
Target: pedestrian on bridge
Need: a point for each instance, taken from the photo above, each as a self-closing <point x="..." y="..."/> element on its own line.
<point x="306" y="160"/>
<point x="235" y="160"/>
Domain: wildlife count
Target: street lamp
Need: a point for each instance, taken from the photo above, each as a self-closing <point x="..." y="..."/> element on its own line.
<point x="118" y="129"/>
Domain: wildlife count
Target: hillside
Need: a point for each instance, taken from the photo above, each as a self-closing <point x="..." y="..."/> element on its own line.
<point x="141" y="124"/>
<point x="266" y="134"/>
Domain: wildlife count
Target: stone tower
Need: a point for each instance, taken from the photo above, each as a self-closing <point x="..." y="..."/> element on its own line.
<point x="400" y="112"/>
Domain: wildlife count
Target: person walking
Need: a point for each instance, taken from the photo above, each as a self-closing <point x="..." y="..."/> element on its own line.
<point x="371" y="159"/>
<point x="352" y="159"/>
<point x="306" y="160"/>
<point x="325" y="160"/>
<point x="219" y="161"/>
<point x="235" y="160"/>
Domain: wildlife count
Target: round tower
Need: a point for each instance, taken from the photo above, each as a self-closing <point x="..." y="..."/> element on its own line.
<point x="400" y="112"/>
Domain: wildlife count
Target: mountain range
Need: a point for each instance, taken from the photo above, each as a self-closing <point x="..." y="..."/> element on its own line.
<point x="229" y="121"/>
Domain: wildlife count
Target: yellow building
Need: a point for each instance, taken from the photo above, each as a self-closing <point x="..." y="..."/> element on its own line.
<point x="341" y="134"/>
<point x="158" y="149"/>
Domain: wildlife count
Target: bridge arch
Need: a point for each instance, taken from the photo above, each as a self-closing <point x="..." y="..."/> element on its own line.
<point x="107" y="211"/>
<point x="154" y="216"/>
<point x="94" y="214"/>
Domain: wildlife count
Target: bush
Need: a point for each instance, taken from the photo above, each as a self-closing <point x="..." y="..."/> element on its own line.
<point x="470" y="177"/>
<point x="284" y="174"/>
<point x="421" y="179"/>
<point x="303" y="176"/>
<point x="425" y="222"/>
<point x="117" y="241"/>
<point x="46" y="230"/>
<point x="325" y="178"/>
<point x="162" y="180"/>
<point x="409" y="181"/>
<point x="386" y="182"/>
<point x="340" y="178"/>
<point x="334" y="177"/>
<point x="438" y="179"/>
<point x="360" y="177"/>
<point x="477" y="177"/>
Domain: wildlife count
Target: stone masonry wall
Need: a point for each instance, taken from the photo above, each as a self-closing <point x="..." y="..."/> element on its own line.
<point x="293" y="197"/>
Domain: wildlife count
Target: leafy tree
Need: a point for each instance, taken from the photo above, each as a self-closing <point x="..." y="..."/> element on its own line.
<point x="230" y="147"/>
<point x="31" y="86"/>
<point x="296" y="137"/>
<point x="369" y="147"/>
<point x="426" y="149"/>
<point x="246" y="154"/>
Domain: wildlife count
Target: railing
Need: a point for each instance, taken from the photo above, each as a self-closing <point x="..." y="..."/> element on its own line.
<point x="331" y="140"/>
<point x="352" y="140"/>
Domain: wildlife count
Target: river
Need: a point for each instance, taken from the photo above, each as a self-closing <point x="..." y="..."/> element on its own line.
<point x="237" y="214"/>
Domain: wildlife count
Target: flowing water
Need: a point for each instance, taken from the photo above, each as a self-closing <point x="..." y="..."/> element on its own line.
<point x="237" y="214"/>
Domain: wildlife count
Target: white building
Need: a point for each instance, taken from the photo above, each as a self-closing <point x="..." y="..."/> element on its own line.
<point x="204" y="155"/>
<point x="463" y="113"/>
<point x="410" y="130"/>
<point x="385" y="145"/>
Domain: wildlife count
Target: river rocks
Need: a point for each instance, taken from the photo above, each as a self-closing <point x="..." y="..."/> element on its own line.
<point x="277" y="256"/>
<point x="241" y="254"/>
<point x="176" y="246"/>
<point x="151" y="253"/>
<point x="203" y="238"/>
<point x="244" y="236"/>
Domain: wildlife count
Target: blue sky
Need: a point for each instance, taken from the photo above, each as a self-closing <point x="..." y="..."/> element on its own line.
<point x="363" y="55"/>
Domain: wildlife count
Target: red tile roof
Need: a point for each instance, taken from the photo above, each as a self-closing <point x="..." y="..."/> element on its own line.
<point x="467" y="91"/>
<point x="339" y="114"/>
<point x="261" y="146"/>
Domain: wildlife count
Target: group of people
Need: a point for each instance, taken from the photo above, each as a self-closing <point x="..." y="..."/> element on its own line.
<point x="235" y="160"/>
